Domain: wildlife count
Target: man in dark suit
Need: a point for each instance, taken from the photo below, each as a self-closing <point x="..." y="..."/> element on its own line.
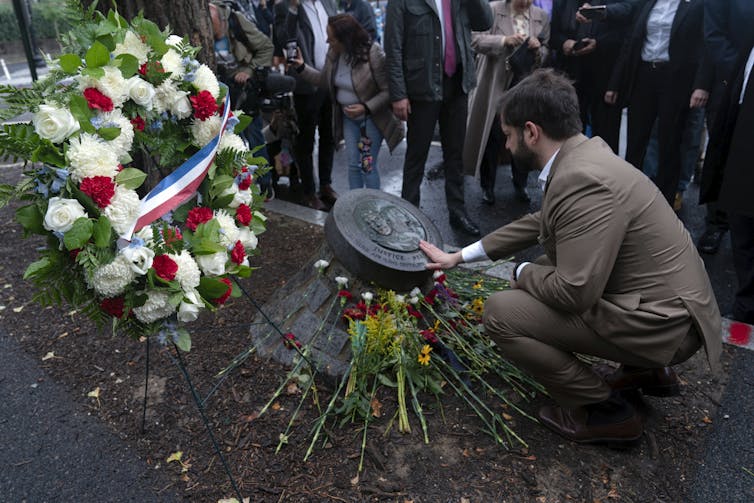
<point x="306" y="22"/>
<point x="600" y="37"/>
<point x="661" y="73"/>
<point x="620" y="278"/>
<point x="728" y="175"/>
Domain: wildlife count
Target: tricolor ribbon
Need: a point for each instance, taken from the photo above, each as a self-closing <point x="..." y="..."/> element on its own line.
<point x="180" y="185"/>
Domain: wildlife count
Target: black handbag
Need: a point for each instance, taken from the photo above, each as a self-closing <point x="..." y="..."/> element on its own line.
<point x="521" y="62"/>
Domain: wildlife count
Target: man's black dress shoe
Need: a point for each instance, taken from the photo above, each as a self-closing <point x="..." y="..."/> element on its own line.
<point x="488" y="196"/>
<point x="613" y="422"/>
<point x="661" y="381"/>
<point x="521" y="194"/>
<point x="710" y="241"/>
<point x="464" y="223"/>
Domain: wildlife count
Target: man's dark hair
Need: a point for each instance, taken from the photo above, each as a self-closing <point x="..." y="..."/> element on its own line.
<point x="546" y="98"/>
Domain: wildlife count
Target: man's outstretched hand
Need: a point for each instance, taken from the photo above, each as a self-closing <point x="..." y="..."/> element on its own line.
<point x="438" y="259"/>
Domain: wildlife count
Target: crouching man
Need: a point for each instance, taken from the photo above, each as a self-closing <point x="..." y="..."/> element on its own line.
<point x="620" y="278"/>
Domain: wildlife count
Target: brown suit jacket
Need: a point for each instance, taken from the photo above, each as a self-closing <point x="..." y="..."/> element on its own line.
<point x="623" y="261"/>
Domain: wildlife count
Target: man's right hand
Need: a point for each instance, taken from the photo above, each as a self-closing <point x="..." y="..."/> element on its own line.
<point x="611" y="97"/>
<point x="402" y="109"/>
<point x="438" y="259"/>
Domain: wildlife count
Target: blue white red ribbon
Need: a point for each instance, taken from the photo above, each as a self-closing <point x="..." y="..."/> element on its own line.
<point x="180" y="185"/>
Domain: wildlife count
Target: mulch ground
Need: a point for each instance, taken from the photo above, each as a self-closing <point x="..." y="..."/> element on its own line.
<point x="459" y="464"/>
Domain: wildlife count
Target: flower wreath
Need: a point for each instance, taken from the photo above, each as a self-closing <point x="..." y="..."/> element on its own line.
<point x="126" y="96"/>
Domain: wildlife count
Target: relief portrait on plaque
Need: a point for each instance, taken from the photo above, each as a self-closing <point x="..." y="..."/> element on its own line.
<point x="388" y="225"/>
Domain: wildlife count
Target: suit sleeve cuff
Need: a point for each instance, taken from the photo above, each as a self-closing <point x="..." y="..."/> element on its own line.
<point x="474" y="253"/>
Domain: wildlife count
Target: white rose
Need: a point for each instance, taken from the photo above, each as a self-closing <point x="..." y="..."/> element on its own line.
<point x="140" y="258"/>
<point x="214" y="264"/>
<point x="247" y="238"/>
<point x="181" y="107"/>
<point x="54" y="124"/>
<point x="141" y="92"/>
<point x="62" y="213"/>
<point x="189" y="308"/>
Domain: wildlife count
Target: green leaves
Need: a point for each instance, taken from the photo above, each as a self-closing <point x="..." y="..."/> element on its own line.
<point x="78" y="235"/>
<point x="108" y="133"/>
<point x="70" y="63"/>
<point x="211" y="288"/>
<point x="129" y="65"/>
<point x="41" y="266"/>
<point x="80" y="110"/>
<point x="102" y="232"/>
<point x="182" y="339"/>
<point x="97" y="55"/>
<point x="131" y="178"/>
<point x="30" y="217"/>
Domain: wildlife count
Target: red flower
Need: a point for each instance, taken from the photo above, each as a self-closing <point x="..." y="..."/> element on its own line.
<point x="245" y="182"/>
<point x="165" y="267"/>
<point x="238" y="253"/>
<point x="440" y="279"/>
<point x="345" y="294"/>
<point x="172" y="235"/>
<point x="221" y="300"/>
<point x="113" y="307"/>
<point x="290" y="341"/>
<point x="361" y="306"/>
<point x="138" y="123"/>
<point x="74" y="253"/>
<point x="100" y="188"/>
<point x="154" y="66"/>
<point x="429" y="336"/>
<point x="198" y="216"/>
<point x="413" y="312"/>
<point x="97" y="100"/>
<point x="430" y="297"/>
<point x="204" y="105"/>
<point x="243" y="214"/>
<point x="353" y="314"/>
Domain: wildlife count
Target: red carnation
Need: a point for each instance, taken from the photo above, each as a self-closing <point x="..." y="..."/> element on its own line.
<point x="441" y="279"/>
<point x="224" y="297"/>
<point x="243" y="214"/>
<point x="155" y="66"/>
<point x="138" y="123"/>
<point x="361" y="306"/>
<point x="113" y="307"/>
<point x="345" y="294"/>
<point x="204" y="105"/>
<point x="429" y="336"/>
<point x="198" y="216"/>
<point x="100" y="188"/>
<point x="74" y="253"/>
<point x="165" y="267"/>
<point x="413" y="312"/>
<point x="97" y="100"/>
<point x="353" y="314"/>
<point x="238" y="253"/>
<point x="290" y="341"/>
<point x="172" y="235"/>
<point x="245" y="182"/>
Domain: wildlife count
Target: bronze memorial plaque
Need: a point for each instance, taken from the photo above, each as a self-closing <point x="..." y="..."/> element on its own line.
<point x="376" y="237"/>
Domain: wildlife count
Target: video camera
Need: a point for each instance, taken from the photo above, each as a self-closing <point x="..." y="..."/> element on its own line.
<point x="267" y="91"/>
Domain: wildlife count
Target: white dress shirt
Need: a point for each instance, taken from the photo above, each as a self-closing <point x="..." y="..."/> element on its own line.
<point x="317" y="15"/>
<point x="657" y="43"/>
<point x="747" y="75"/>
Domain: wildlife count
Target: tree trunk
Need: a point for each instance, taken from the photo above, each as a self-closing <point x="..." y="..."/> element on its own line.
<point x="185" y="18"/>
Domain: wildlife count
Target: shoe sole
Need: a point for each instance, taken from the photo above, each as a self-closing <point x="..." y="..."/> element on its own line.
<point x="612" y="443"/>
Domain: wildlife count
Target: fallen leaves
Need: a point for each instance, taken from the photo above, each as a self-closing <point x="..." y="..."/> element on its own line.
<point x="177" y="457"/>
<point x="49" y="356"/>
<point x="95" y="394"/>
<point x="376" y="407"/>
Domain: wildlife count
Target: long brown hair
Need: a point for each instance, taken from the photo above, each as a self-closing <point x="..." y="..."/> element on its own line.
<point x="354" y="38"/>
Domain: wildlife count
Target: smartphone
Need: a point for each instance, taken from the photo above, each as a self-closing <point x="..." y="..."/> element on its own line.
<point x="595" y="12"/>
<point x="580" y="44"/>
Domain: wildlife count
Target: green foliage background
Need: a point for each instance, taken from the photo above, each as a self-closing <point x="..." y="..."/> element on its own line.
<point x="46" y="20"/>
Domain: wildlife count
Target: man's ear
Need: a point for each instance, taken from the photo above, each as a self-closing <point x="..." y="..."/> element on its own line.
<point x="531" y="133"/>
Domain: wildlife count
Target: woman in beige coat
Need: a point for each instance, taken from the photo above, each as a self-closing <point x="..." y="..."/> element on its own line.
<point x="355" y="75"/>
<point x="514" y="22"/>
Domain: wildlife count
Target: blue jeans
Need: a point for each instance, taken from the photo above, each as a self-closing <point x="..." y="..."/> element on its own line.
<point x="357" y="178"/>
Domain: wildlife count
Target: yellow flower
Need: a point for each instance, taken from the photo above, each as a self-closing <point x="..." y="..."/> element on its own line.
<point x="478" y="284"/>
<point x="424" y="354"/>
<point x="477" y="305"/>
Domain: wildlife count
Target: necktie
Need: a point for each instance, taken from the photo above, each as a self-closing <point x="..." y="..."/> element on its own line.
<point x="450" y="43"/>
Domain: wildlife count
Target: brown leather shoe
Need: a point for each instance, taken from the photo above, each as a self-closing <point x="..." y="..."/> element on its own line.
<point x="661" y="381"/>
<point x="328" y="195"/>
<point x="314" y="202"/>
<point x="604" y="423"/>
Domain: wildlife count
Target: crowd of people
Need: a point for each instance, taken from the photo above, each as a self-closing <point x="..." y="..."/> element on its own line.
<point x="620" y="277"/>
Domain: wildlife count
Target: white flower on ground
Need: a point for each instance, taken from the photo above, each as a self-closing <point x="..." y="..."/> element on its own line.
<point x="89" y="156"/>
<point x="132" y="45"/>
<point x="415" y="292"/>
<point x="228" y="228"/>
<point x="320" y="265"/>
<point x="156" y="307"/>
<point x="205" y="80"/>
<point x="140" y="258"/>
<point x="141" y="92"/>
<point x="437" y="274"/>
<point x="233" y="142"/>
<point x="188" y="274"/>
<point x="124" y="141"/>
<point x="204" y="131"/>
<point x="401" y="299"/>
<point x="54" y="124"/>
<point x="123" y="209"/>
<point x="342" y="281"/>
<point x="214" y="264"/>
<point x="367" y="296"/>
<point x="172" y="62"/>
<point x="62" y="213"/>
<point x="112" y="279"/>
<point x="190" y="307"/>
<point x="248" y="239"/>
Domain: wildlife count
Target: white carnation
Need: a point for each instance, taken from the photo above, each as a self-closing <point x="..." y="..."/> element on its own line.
<point x="141" y="92"/>
<point x="132" y="45"/>
<point x="342" y="281"/>
<point x="233" y="142"/>
<point x="146" y="234"/>
<point x="155" y="308"/>
<point x="165" y="96"/>
<point x="239" y="196"/>
<point x="174" y="41"/>
<point x="188" y="274"/>
<point x="112" y="85"/>
<point x="140" y="258"/>
<point x="214" y="264"/>
<point x="89" y="155"/>
<point x="368" y="297"/>
<point x="204" y="131"/>
<point x="55" y="124"/>
<point x="205" y="80"/>
<point x="189" y="309"/>
<point x="62" y="213"/>
<point x="123" y="209"/>
<point x="172" y="62"/>
<point x="228" y="228"/>
<point x="112" y="279"/>
<point x="124" y="141"/>
<point x="247" y="238"/>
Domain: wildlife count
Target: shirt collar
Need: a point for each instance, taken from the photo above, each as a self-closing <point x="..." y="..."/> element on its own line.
<point x="545" y="173"/>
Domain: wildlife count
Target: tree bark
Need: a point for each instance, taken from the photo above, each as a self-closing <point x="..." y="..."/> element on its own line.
<point x="185" y="18"/>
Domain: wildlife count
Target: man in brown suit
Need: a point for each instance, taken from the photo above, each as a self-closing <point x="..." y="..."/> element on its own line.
<point x="620" y="278"/>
